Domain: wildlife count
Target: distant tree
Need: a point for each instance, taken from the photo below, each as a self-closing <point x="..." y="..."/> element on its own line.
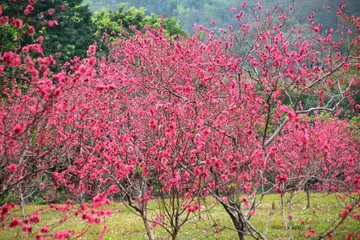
<point x="65" y="27"/>
<point x="74" y="33"/>
<point x="114" y="22"/>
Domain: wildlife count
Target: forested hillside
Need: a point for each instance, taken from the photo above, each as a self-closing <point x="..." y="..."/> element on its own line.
<point x="203" y="11"/>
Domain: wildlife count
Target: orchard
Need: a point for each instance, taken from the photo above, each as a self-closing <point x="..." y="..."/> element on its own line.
<point x="220" y="119"/>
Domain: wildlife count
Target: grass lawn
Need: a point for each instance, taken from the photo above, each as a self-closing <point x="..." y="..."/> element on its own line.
<point x="125" y="225"/>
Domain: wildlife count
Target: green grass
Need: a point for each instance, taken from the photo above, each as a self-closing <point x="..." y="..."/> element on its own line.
<point x="126" y="225"/>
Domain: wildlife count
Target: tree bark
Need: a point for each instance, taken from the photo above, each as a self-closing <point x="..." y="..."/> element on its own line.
<point x="22" y="204"/>
<point x="307" y="199"/>
<point x="237" y="221"/>
<point x="174" y="235"/>
<point x="290" y="213"/>
<point x="283" y="210"/>
<point x="148" y="229"/>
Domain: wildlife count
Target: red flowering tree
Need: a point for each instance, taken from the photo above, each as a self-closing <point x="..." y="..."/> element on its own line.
<point x="186" y="118"/>
<point x="35" y="132"/>
<point x="302" y="159"/>
<point x="29" y="138"/>
<point x="203" y="118"/>
<point x="144" y="138"/>
<point x="277" y="67"/>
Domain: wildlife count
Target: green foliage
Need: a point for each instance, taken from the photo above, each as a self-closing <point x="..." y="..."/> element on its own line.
<point x="77" y="27"/>
<point x="71" y="37"/>
<point x="115" y="21"/>
<point x="10" y="198"/>
<point x="7" y="36"/>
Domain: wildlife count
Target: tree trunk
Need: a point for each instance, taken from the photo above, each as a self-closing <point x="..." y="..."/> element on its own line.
<point x="22" y="204"/>
<point x="237" y="221"/>
<point x="283" y="210"/>
<point x="307" y="199"/>
<point x="290" y="213"/>
<point x="240" y="228"/>
<point x="199" y="210"/>
<point x="174" y="235"/>
<point x="149" y="231"/>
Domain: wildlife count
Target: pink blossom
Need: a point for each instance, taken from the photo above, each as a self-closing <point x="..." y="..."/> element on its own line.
<point x="282" y="178"/>
<point x="51" y="23"/>
<point x="291" y="115"/>
<point x="343" y="213"/>
<point x="239" y="15"/>
<point x="27" y="228"/>
<point x="34" y="218"/>
<point x="14" y="222"/>
<point x="51" y="11"/>
<point x="42" y="185"/>
<point x="25" y="49"/>
<point x="4" y="20"/>
<point x="92" y="50"/>
<point x="62" y="235"/>
<point x="31" y="31"/>
<point x="113" y="189"/>
<point x="284" y="108"/>
<point x="82" y="69"/>
<point x="12" y="167"/>
<point x="216" y="229"/>
<point x="28" y="10"/>
<point x="17" y="23"/>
